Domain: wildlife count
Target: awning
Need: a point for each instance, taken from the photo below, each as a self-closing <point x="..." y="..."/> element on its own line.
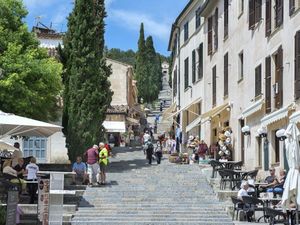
<point x="193" y="124"/>
<point x="215" y="111"/>
<point x="295" y="117"/>
<point x="184" y="108"/>
<point x="275" y="116"/>
<point x="169" y="111"/>
<point x="114" y="126"/>
<point x="133" y="121"/>
<point x="253" y="108"/>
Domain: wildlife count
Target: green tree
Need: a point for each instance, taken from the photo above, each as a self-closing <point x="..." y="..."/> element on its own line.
<point x="30" y="81"/>
<point x="87" y="92"/>
<point x="141" y="70"/>
<point x="153" y="69"/>
<point x="127" y="57"/>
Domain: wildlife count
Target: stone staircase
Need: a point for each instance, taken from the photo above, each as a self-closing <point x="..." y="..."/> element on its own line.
<point x="138" y="193"/>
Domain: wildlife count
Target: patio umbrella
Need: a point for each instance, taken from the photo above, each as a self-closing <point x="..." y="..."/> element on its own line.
<point x="7" y="146"/>
<point x="292" y="182"/>
<point x="11" y="125"/>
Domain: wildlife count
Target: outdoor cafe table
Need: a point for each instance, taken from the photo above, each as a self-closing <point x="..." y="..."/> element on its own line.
<point x="228" y="164"/>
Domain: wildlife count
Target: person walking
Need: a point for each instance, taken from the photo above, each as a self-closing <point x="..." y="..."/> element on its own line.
<point x="31" y="170"/>
<point x="103" y="161"/>
<point x="92" y="157"/>
<point x="158" y="152"/>
<point x="149" y="151"/>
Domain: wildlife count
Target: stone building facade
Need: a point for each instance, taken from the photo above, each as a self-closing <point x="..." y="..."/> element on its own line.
<point x="238" y="64"/>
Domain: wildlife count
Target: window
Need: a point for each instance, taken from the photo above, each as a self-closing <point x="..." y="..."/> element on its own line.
<point x="268" y="85"/>
<point x="35" y="146"/>
<point x="278" y="12"/>
<point x="200" y="61"/>
<point x="209" y="35"/>
<point x="212" y="27"/>
<point x="186" y="73"/>
<point x="268" y="17"/>
<point x="254" y="12"/>
<point x="258" y="81"/>
<point x="214" y="86"/>
<point x="292" y="7"/>
<point x="175" y="82"/>
<point x="226" y="75"/>
<point x="278" y="87"/>
<point x="186" y="31"/>
<point x="276" y="147"/>
<point x="193" y="66"/>
<point x="241" y="7"/>
<point x="241" y="66"/>
<point x="216" y="29"/>
<point x="198" y="18"/>
<point x="297" y="65"/>
<point x="225" y="19"/>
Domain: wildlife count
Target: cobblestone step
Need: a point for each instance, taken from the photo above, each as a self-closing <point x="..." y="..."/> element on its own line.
<point x="157" y="194"/>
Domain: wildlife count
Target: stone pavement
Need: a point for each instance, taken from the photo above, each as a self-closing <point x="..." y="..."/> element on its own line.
<point x="138" y="193"/>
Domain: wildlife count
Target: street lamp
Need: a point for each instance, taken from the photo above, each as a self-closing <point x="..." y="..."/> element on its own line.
<point x="262" y="132"/>
<point x="246" y="130"/>
<point x="281" y="134"/>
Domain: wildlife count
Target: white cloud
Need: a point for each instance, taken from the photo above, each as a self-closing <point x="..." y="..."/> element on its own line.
<point x="132" y="20"/>
<point x="108" y="3"/>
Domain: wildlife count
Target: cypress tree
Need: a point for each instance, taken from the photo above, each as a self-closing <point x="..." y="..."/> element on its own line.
<point x="141" y="68"/>
<point x="87" y="93"/>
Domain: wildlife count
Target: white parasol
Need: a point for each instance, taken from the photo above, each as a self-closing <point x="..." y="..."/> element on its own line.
<point x="7" y="146"/>
<point x="11" y="125"/>
<point x="291" y="191"/>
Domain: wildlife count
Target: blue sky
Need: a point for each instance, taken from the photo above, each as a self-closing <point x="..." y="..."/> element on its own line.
<point x="122" y="22"/>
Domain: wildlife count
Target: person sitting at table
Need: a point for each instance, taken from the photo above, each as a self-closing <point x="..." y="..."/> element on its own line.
<point x="270" y="180"/>
<point x="244" y="192"/>
<point x="79" y="168"/>
<point x="278" y="183"/>
<point x="20" y="168"/>
<point x="12" y="175"/>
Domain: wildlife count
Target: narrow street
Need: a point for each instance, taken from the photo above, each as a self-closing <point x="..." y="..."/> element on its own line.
<point x="138" y="193"/>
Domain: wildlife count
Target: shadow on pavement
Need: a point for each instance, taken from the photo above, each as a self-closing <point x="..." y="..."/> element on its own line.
<point x="122" y="166"/>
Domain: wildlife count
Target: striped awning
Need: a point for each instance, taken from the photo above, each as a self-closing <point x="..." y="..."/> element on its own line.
<point x="196" y="122"/>
<point x="276" y="115"/>
<point x="215" y="111"/>
<point x="255" y="107"/>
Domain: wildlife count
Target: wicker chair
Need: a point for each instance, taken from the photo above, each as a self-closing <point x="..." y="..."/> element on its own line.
<point x="237" y="206"/>
<point x="216" y="165"/>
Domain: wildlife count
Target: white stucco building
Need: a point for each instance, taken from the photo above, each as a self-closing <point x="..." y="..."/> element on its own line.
<point x="249" y="64"/>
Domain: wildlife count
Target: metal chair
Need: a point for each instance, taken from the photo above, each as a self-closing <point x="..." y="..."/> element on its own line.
<point x="273" y="213"/>
<point x="238" y="205"/>
<point x="228" y="176"/>
<point x="216" y="165"/>
<point x="254" y="204"/>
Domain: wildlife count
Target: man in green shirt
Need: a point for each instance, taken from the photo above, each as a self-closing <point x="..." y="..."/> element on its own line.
<point x="103" y="161"/>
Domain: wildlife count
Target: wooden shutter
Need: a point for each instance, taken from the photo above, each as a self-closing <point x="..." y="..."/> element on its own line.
<point x="279" y="13"/>
<point x="268" y="17"/>
<point x="297" y="65"/>
<point x="225" y="18"/>
<point x="214" y="86"/>
<point x="200" y="61"/>
<point x="226" y="75"/>
<point x="186" y="72"/>
<point x="193" y="66"/>
<point x="292" y="7"/>
<point x="268" y="85"/>
<point x="251" y="14"/>
<point x="258" y="81"/>
<point x="209" y="35"/>
<point x="216" y="29"/>
<point x="257" y="10"/>
<point x="279" y="78"/>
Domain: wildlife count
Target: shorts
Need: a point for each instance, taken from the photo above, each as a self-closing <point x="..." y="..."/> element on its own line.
<point x="103" y="167"/>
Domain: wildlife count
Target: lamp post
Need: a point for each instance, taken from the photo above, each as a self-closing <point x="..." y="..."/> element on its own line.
<point x="280" y="134"/>
<point x="262" y="132"/>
